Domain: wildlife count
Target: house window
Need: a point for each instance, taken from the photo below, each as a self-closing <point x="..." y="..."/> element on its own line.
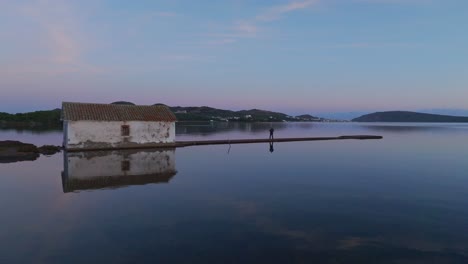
<point x="125" y="165"/>
<point x="125" y="130"/>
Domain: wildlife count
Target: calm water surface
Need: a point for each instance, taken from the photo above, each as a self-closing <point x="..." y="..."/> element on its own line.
<point x="402" y="199"/>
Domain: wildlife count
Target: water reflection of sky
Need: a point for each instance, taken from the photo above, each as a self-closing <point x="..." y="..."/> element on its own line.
<point x="239" y="130"/>
<point x="260" y="130"/>
<point x="46" y="137"/>
<point x="397" y="200"/>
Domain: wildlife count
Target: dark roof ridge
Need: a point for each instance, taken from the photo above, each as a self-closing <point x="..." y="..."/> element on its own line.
<point x="107" y="104"/>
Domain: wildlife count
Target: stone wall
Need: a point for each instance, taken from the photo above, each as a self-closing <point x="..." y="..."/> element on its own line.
<point x="108" y="135"/>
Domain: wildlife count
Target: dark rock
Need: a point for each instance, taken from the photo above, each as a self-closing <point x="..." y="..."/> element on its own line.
<point x="49" y="149"/>
<point x="11" y="143"/>
<point x="27" y="148"/>
<point x="13" y="151"/>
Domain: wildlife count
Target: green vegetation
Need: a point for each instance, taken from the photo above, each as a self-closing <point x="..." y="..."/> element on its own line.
<point x="404" y="116"/>
<point x="50" y="118"/>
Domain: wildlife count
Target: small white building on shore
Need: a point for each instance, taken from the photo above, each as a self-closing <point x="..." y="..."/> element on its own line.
<point x="115" y="126"/>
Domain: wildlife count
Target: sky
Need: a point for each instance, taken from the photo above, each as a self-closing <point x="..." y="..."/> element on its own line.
<point x="302" y="56"/>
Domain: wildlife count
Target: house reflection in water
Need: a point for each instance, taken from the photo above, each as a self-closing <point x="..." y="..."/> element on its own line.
<point x="115" y="169"/>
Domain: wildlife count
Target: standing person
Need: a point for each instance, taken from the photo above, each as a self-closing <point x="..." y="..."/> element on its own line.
<point x="271" y="133"/>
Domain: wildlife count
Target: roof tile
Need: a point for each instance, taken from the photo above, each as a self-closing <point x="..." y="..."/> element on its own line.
<point x="115" y="112"/>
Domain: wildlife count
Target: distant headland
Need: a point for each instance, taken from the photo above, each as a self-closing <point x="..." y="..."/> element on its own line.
<point x="406" y="116"/>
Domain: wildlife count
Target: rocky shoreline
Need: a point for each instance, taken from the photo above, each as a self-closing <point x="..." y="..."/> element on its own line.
<point x="14" y="151"/>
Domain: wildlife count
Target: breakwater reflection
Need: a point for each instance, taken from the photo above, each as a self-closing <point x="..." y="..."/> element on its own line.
<point x="93" y="170"/>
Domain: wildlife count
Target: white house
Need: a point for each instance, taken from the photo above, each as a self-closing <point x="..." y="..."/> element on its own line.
<point x="112" y="126"/>
<point x="88" y="170"/>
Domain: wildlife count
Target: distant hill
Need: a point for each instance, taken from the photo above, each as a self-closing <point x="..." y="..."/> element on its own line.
<point x="123" y="103"/>
<point x="264" y="115"/>
<point x="209" y="113"/>
<point x="405" y="116"/>
<point x="49" y="118"/>
<point x="205" y="113"/>
<point x="308" y="117"/>
<point x="445" y="111"/>
<point x="342" y="115"/>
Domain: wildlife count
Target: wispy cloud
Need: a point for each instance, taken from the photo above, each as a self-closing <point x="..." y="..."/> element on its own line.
<point x="248" y="28"/>
<point x="67" y="48"/>
<point x="395" y="1"/>
<point x="275" y="12"/>
<point x="364" y="45"/>
<point x="245" y="27"/>
<point x="59" y="43"/>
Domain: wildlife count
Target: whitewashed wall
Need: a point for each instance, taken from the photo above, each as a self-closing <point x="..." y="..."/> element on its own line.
<point x="81" y="165"/>
<point x="102" y="134"/>
<point x="90" y="170"/>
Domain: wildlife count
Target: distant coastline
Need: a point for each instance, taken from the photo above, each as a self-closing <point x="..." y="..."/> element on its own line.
<point x="50" y="119"/>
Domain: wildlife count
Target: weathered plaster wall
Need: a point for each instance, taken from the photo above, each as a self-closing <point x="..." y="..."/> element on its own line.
<point x="65" y="132"/>
<point x="82" y="165"/>
<point x="101" y="134"/>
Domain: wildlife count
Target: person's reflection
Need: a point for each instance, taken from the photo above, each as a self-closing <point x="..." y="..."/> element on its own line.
<point x="271" y="147"/>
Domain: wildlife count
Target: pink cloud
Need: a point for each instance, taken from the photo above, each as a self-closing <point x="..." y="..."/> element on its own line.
<point x="246" y="28"/>
<point x="60" y="44"/>
<point x="395" y="1"/>
<point x="275" y="12"/>
<point x="250" y="27"/>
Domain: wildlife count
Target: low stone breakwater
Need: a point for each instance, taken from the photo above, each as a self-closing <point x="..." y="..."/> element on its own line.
<point x="13" y="151"/>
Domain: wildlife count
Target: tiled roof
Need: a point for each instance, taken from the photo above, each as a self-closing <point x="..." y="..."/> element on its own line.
<point x="116" y="112"/>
